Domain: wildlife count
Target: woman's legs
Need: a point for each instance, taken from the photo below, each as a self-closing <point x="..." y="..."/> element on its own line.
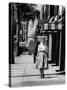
<point x="42" y="66"/>
<point x="42" y="72"/>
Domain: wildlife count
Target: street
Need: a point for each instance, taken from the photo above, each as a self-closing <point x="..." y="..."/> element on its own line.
<point x="24" y="73"/>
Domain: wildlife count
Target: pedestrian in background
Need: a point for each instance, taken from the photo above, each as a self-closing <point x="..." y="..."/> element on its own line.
<point x="31" y="41"/>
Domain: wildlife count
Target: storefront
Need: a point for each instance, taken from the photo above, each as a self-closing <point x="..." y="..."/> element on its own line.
<point x="56" y="45"/>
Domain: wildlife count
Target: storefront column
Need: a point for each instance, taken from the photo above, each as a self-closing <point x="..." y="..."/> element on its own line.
<point x="11" y="34"/>
<point x="50" y="47"/>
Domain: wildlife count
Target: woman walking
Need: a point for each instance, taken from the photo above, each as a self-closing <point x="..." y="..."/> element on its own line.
<point x="41" y="57"/>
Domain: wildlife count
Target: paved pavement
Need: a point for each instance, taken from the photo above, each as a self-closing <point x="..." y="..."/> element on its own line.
<point x="24" y="73"/>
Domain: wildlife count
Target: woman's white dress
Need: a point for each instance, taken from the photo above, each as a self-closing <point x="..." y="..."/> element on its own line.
<point x="41" y="57"/>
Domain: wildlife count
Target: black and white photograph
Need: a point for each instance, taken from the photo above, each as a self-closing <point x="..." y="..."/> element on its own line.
<point x="36" y="44"/>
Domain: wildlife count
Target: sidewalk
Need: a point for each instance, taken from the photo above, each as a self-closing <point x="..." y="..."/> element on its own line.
<point x="24" y="72"/>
